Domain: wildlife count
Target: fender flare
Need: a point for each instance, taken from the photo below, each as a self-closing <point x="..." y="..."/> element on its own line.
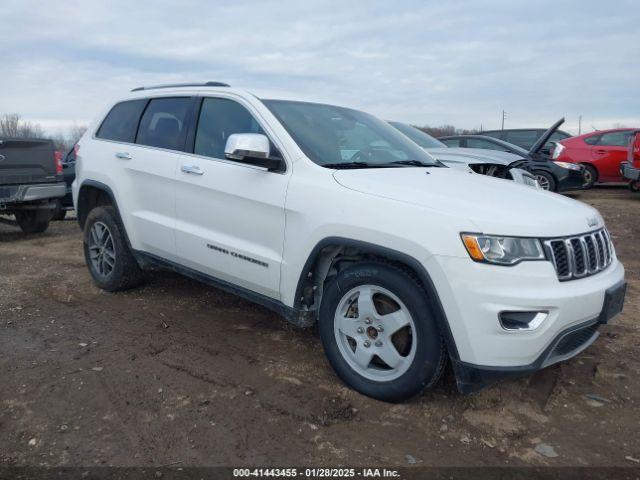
<point x="395" y="255"/>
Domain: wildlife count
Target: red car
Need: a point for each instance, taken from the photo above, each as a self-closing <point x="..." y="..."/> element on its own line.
<point x="601" y="153"/>
<point x="630" y="169"/>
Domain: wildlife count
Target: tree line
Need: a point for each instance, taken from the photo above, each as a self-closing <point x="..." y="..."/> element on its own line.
<point x="14" y="126"/>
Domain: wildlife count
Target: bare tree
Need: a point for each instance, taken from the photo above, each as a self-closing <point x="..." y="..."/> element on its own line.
<point x="444" y="130"/>
<point x="12" y="125"/>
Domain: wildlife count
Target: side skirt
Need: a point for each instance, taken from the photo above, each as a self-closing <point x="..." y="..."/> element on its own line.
<point x="299" y="318"/>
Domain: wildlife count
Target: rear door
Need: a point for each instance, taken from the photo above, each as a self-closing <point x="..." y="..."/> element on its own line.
<point x="25" y="161"/>
<point x="230" y="216"/>
<point x="609" y="152"/>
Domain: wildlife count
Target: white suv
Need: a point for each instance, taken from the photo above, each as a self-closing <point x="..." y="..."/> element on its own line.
<point x="327" y="214"/>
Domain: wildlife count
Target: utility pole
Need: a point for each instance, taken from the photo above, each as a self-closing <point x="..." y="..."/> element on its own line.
<point x="504" y="114"/>
<point x="580" y="125"/>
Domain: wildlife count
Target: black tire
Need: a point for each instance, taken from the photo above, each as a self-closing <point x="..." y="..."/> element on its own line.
<point x="546" y="180"/>
<point x="590" y="176"/>
<point x="126" y="272"/>
<point x="430" y="355"/>
<point x="634" y="186"/>
<point x="58" y="212"/>
<point x="33" y="221"/>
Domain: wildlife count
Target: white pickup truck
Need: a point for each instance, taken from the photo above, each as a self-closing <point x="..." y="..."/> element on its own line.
<point x="329" y="215"/>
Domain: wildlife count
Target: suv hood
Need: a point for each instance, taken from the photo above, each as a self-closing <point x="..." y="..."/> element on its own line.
<point x="493" y="205"/>
<point x="469" y="156"/>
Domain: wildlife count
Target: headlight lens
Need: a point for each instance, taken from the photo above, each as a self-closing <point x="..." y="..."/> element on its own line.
<point x="570" y="166"/>
<point x="502" y="250"/>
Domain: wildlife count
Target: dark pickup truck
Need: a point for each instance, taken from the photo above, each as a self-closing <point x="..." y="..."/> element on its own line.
<point x="31" y="179"/>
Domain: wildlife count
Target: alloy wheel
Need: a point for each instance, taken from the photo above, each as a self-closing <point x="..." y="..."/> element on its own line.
<point x="101" y="249"/>
<point x="375" y="333"/>
<point x="543" y="182"/>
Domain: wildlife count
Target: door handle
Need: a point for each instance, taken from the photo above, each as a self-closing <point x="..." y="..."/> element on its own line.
<point x="192" y="169"/>
<point x="123" y="156"/>
<point x="601" y="152"/>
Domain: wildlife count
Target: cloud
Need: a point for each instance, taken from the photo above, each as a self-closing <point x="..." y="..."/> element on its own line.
<point x="421" y="62"/>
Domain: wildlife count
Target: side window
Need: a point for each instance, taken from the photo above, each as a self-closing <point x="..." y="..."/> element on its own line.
<point x="451" y="142"/>
<point x="522" y="138"/>
<point x="219" y="118"/>
<point x="615" y="139"/>
<point x="163" y="123"/>
<point x="486" y="144"/>
<point x="121" y="122"/>
<point x="592" y="140"/>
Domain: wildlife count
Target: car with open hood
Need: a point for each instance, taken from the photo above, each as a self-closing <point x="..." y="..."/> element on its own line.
<point x="555" y="176"/>
<point x="330" y="216"/>
<point x="503" y="165"/>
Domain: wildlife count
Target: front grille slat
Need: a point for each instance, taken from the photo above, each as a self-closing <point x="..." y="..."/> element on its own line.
<point x="581" y="255"/>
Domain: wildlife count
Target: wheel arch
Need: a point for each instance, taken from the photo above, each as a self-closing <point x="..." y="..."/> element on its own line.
<point x="330" y="252"/>
<point x="94" y="194"/>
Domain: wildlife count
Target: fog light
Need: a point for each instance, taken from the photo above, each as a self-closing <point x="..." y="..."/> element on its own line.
<point x="519" y="321"/>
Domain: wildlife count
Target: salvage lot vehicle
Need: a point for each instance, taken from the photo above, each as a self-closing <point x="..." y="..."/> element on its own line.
<point x="551" y="175"/>
<point x="601" y="152"/>
<point x="631" y="168"/>
<point x="328" y="214"/>
<point x="494" y="164"/>
<point x="527" y="137"/>
<point x="30" y="181"/>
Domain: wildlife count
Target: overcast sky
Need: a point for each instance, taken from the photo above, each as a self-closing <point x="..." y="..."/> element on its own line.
<point x="454" y="62"/>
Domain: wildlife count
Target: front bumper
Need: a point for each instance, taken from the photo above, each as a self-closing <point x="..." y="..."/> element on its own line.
<point x="569" y="179"/>
<point x="473" y="295"/>
<point x="30" y="193"/>
<point x="629" y="172"/>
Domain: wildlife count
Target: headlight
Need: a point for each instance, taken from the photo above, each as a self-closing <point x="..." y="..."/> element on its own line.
<point x="570" y="166"/>
<point x="557" y="150"/>
<point x="502" y="250"/>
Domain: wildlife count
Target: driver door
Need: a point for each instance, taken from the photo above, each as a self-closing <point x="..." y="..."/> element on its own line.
<point x="229" y="216"/>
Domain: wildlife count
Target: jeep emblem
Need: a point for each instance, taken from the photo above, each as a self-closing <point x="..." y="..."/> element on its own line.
<point x="592" y="221"/>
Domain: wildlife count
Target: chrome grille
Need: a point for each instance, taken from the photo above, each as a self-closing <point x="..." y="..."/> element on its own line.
<point x="580" y="256"/>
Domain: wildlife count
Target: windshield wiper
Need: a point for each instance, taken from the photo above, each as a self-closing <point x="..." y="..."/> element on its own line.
<point x="414" y="163"/>
<point x="346" y="165"/>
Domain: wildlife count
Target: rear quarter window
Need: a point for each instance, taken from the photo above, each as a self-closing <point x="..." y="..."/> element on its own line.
<point x="121" y="123"/>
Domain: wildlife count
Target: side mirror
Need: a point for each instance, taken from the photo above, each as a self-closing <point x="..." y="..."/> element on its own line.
<point x="253" y="149"/>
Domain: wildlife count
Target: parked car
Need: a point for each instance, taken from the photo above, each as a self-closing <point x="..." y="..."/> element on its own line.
<point x="630" y="169"/>
<point x="527" y="137"/>
<point x="64" y="204"/>
<point x="327" y="214"/>
<point x="551" y="175"/>
<point x="601" y="152"/>
<point x="494" y="164"/>
<point x="30" y="181"/>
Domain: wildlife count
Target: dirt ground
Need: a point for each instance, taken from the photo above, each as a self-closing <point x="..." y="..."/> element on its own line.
<point x="177" y="372"/>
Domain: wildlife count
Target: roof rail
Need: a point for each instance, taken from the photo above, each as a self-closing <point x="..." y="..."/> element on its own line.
<point x="174" y="85"/>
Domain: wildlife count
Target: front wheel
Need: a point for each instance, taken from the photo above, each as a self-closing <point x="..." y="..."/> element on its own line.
<point x="546" y="180"/>
<point x="379" y="334"/>
<point x="634" y="186"/>
<point x="590" y="176"/>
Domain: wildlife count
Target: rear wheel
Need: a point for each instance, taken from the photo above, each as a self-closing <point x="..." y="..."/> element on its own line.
<point x="106" y="252"/>
<point x="59" y="212"/>
<point x="546" y="180"/>
<point x="634" y="186"/>
<point x="33" y="221"/>
<point x="590" y="176"/>
<point x="379" y="334"/>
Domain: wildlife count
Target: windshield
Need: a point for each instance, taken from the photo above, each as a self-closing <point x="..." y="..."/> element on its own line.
<point x="421" y="138"/>
<point x="335" y="136"/>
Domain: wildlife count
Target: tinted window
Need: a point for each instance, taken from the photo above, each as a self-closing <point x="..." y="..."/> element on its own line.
<point x="592" y="140"/>
<point x="122" y="121"/>
<point x="219" y="118"/>
<point x="451" y="142"/>
<point x="522" y="138"/>
<point x="163" y="124"/>
<point x="486" y="144"/>
<point x="615" y="139"/>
